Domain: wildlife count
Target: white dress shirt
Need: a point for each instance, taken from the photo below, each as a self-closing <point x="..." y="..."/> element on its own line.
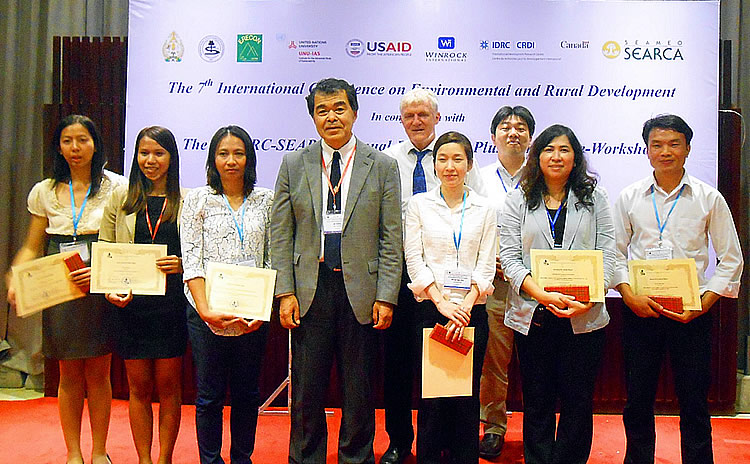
<point x="498" y="183"/>
<point x="407" y="161"/>
<point x="430" y="249"/>
<point x="347" y="153"/>
<point x="701" y="212"/>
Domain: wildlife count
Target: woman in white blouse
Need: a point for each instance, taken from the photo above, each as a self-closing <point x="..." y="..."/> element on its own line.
<point x="559" y="340"/>
<point x="66" y="211"/>
<point x="226" y="222"/>
<point x="450" y="243"/>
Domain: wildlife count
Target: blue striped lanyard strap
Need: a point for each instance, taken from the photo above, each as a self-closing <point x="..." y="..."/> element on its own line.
<point x="656" y="211"/>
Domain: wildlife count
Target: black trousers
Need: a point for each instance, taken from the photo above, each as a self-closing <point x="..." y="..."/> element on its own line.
<point x="449" y="427"/>
<point x="328" y="331"/>
<point x="645" y="341"/>
<point x="557" y="364"/>
<point x="400" y="356"/>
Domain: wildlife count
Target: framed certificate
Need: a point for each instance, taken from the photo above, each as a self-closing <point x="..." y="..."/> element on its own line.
<point x="124" y="267"/>
<point x="42" y="283"/>
<point x="666" y="277"/>
<point x="240" y="291"/>
<point x="570" y="268"/>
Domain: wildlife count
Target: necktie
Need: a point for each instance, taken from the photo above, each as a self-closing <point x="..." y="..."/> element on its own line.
<point x="332" y="242"/>
<point x="418" y="183"/>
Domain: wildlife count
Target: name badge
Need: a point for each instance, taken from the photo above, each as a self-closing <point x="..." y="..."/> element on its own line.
<point x="247" y="262"/>
<point x="80" y="247"/>
<point x="458" y="278"/>
<point x="659" y="252"/>
<point x="333" y="222"/>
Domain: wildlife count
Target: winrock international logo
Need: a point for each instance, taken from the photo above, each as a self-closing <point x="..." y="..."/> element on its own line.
<point x="611" y="49"/>
<point x="446" y="51"/>
<point x="249" y="48"/>
<point x="172" y="50"/>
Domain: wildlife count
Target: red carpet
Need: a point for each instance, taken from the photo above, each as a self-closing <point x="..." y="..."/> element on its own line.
<point x="30" y="433"/>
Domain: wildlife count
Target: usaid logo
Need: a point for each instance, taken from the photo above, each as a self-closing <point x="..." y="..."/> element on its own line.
<point x="446" y="43"/>
<point x="355" y="48"/>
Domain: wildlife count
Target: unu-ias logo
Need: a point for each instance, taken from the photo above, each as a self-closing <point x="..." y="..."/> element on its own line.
<point x="611" y="49"/>
<point x="249" y="48"/>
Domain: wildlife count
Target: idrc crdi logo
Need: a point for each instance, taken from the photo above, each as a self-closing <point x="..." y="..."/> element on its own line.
<point x="249" y="48"/>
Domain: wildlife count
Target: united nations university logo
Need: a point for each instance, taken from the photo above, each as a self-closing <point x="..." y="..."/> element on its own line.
<point x="249" y="48"/>
<point x="172" y="50"/>
<point x="611" y="49"/>
<point x="211" y="48"/>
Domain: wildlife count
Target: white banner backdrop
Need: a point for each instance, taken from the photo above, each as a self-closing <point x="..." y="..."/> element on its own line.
<point x="600" y="67"/>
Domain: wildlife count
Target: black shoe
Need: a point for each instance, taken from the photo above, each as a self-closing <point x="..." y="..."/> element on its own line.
<point x="395" y="455"/>
<point x="491" y="445"/>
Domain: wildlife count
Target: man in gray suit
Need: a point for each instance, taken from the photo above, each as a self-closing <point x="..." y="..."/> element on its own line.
<point x="336" y="244"/>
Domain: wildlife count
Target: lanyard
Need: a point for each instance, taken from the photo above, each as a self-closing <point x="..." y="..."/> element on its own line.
<point x="552" y="221"/>
<point x="656" y="212"/>
<point x="335" y="190"/>
<point x="457" y="241"/>
<point x="503" y="183"/>
<point x="240" y="226"/>
<point x="77" y="219"/>
<point x="152" y="230"/>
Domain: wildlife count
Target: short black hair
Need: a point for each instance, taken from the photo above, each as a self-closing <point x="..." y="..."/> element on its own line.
<point x="454" y="137"/>
<point x="212" y="174"/>
<point x="328" y="86"/>
<point x="60" y="167"/>
<point x="507" y="111"/>
<point x="668" y="122"/>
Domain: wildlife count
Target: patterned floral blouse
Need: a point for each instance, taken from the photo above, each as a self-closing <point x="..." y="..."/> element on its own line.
<point x="208" y="233"/>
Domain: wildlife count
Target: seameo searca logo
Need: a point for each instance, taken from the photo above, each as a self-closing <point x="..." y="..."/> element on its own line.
<point x="611" y="49"/>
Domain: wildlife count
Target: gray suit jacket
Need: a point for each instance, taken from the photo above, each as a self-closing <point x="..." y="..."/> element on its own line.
<point x="522" y="230"/>
<point x="371" y="240"/>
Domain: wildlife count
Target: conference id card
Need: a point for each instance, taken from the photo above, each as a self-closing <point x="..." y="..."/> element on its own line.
<point x="666" y="277"/>
<point x="80" y="247"/>
<point x="459" y="279"/>
<point x="659" y="252"/>
<point x="333" y="222"/>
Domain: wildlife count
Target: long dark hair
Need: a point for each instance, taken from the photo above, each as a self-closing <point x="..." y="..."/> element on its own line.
<point x="140" y="186"/>
<point x="60" y="167"/>
<point x="212" y="174"/>
<point x="581" y="181"/>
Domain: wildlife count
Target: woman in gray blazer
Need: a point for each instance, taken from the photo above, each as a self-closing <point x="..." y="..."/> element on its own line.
<point x="559" y="340"/>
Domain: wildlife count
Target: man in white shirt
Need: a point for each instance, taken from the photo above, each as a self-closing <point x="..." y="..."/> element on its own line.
<point x="419" y="116"/>
<point x="672" y="215"/>
<point x="511" y="131"/>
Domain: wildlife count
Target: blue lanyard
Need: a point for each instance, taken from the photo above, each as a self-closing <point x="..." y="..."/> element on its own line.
<point x="77" y="219"/>
<point x="240" y="226"/>
<point x="658" y="222"/>
<point x="552" y="221"/>
<point x="503" y="183"/>
<point x="457" y="241"/>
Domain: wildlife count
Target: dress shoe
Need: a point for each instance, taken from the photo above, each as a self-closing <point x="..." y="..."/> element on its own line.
<point x="491" y="445"/>
<point x="395" y="455"/>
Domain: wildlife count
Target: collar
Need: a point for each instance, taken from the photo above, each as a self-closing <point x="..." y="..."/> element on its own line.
<point x="410" y="146"/>
<point x="651" y="182"/>
<point x="346" y="151"/>
<point x="472" y="198"/>
<point x="501" y="167"/>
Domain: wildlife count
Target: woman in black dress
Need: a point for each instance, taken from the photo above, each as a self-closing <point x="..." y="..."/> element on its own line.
<point x="151" y="330"/>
